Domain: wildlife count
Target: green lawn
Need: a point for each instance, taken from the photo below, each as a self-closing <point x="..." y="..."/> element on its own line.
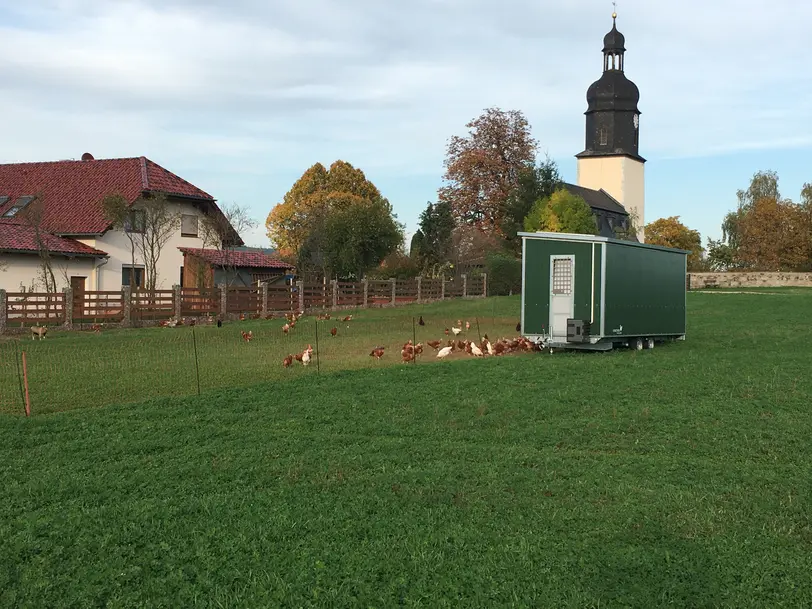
<point x="70" y="370"/>
<point x="675" y="477"/>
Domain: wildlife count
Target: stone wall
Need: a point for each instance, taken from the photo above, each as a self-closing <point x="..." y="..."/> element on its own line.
<point x="699" y="281"/>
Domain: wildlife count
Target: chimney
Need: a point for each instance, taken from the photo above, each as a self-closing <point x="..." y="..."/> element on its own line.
<point x="87" y="156"/>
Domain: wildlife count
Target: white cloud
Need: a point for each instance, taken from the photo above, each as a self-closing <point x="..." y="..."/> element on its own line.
<point x="259" y="89"/>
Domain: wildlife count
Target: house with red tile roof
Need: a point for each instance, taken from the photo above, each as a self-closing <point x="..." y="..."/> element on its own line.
<point x="86" y="251"/>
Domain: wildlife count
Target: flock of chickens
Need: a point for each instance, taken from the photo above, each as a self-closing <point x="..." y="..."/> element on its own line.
<point x="502" y="346"/>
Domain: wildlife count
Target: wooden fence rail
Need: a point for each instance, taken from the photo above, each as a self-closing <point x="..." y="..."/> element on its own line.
<point x="69" y="307"/>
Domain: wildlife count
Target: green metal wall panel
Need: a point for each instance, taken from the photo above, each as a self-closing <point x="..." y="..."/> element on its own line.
<point x="536" y="287"/>
<point x="645" y="291"/>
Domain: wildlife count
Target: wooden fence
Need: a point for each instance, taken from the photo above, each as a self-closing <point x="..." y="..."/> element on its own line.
<point x="137" y="307"/>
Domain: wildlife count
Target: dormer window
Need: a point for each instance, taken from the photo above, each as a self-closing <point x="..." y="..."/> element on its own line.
<point x="18" y="206"/>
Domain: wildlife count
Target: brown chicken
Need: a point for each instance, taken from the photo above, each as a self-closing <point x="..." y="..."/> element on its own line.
<point x="334" y="331"/>
<point x="377" y="353"/>
<point x="247" y="336"/>
<point x="287" y="361"/>
<point x="347" y="318"/>
<point x="286" y="328"/>
<point x="434" y="344"/>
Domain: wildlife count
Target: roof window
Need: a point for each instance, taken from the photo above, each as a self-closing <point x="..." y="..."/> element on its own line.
<point x="19" y="205"/>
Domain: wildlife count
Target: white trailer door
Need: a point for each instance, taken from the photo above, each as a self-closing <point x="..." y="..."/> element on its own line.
<point x="562" y="295"/>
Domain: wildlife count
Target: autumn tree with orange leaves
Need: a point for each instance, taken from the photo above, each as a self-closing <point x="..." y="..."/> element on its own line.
<point x="484" y="168"/>
<point x="774" y="235"/>
<point x="315" y="194"/>
<point x="670" y="232"/>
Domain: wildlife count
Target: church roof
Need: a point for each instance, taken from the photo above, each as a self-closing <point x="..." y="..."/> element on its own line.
<point x="596" y="199"/>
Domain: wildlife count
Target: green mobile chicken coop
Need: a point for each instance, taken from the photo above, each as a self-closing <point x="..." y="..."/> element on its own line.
<point x="590" y="292"/>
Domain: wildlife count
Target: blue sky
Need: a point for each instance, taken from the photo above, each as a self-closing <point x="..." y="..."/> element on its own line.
<point x="241" y="97"/>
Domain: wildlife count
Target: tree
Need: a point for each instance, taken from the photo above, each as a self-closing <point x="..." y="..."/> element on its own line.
<point x="436" y="228"/>
<point x="358" y="237"/>
<point x="562" y="212"/>
<point x="535" y="183"/>
<point x="222" y="230"/>
<point x="471" y="246"/>
<point x="314" y="195"/>
<point x="148" y="223"/>
<point x="483" y="168"/>
<point x="774" y="235"/>
<point x="670" y="232"/>
<point x="416" y="246"/>
<point x="32" y="216"/>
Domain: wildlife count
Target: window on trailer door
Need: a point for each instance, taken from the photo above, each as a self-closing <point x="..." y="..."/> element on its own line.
<point x="132" y="272"/>
<point x="188" y="226"/>
<point x="562" y="276"/>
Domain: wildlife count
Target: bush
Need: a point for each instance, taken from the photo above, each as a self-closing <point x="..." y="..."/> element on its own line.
<point x="504" y="274"/>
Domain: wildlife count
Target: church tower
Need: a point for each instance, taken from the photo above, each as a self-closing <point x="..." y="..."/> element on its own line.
<point x="611" y="160"/>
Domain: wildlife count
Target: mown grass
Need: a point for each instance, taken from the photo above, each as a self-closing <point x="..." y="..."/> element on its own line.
<point x="71" y="370"/>
<point x="677" y="477"/>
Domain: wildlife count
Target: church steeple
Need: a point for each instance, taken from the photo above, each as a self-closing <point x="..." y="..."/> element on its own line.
<point x="612" y="117"/>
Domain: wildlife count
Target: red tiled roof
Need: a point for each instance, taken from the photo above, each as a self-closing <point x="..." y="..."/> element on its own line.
<point x="73" y="191"/>
<point x="19" y="237"/>
<point x="236" y="258"/>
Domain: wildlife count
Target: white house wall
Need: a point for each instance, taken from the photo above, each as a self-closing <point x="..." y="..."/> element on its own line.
<point x="25" y="270"/>
<point x="117" y="245"/>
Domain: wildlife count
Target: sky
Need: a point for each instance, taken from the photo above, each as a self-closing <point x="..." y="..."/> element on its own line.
<point x="240" y="97"/>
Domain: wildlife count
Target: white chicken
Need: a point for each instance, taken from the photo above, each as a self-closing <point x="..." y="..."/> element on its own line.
<point x="444" y="352"/>
<point x="489" y="347"/>
<point x="475" y="350"/>
<point x="456" y="331"/>
<point x="305" y="357"/>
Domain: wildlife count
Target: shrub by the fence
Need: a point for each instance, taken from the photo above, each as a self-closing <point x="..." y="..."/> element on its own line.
<point x="504" y="274"/>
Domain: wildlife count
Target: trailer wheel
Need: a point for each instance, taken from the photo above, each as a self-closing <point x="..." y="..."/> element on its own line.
<point x="638" y="344"/>
<point x="650" y="343"/>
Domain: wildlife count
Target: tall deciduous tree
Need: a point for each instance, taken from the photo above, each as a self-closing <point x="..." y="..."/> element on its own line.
<point x="436" y="227"/>
<point x="358" y="237"/>
<point x="292" y="222"/>
<point x="535" y="183"/>
<point x="670" y="232"/>
<point x="483" y="168"/>
<point x="774" y="235"/>
<point x="32" y="215"/>
<point x="562" y="212"/>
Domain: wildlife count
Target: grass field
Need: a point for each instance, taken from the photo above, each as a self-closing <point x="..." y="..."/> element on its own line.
<point x="676" y="477"/>
<point x="70" y="370"/>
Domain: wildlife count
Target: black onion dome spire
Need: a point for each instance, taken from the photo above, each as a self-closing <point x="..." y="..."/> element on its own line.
<point x="612" y="117"/>
<point x="614" y="41"/>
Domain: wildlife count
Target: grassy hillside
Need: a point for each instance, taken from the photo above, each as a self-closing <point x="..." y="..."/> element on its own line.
<point x="677" y="477"/>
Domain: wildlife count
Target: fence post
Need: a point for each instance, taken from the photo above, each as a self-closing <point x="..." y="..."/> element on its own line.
<point x="300" y="285"/>
<point x="67" y="295"/>
<point x="394" y="290"/>
<point x="176" y="300"/>
<point x="464" y="278"/>
<point x="365" y="283"/>
<point x="223" y="301"/>
<point x="484" y="285"/>
<point x="127" y="301"/>
<point x="442" y="288"/>
<point x="3" y="311"/>
<point x="334" y="283"/>
<point x="264" y="291"/>
<point x="419" y="290"/>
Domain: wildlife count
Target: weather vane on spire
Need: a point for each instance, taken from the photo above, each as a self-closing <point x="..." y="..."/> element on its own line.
<point x="614" y="10"/>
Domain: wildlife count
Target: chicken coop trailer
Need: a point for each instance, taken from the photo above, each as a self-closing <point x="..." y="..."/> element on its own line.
<point x="597" y="293"/>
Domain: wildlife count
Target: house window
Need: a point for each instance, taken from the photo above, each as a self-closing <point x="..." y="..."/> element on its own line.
<point x="604" y="136"/>
<point x="188" y="225"/>
<point x="136" y="221"/>
<point x="19" y="204"/>
<point x="134" y="273"/>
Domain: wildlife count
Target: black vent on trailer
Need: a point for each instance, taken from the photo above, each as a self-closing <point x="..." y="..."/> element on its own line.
<point x="578" y="330"/>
